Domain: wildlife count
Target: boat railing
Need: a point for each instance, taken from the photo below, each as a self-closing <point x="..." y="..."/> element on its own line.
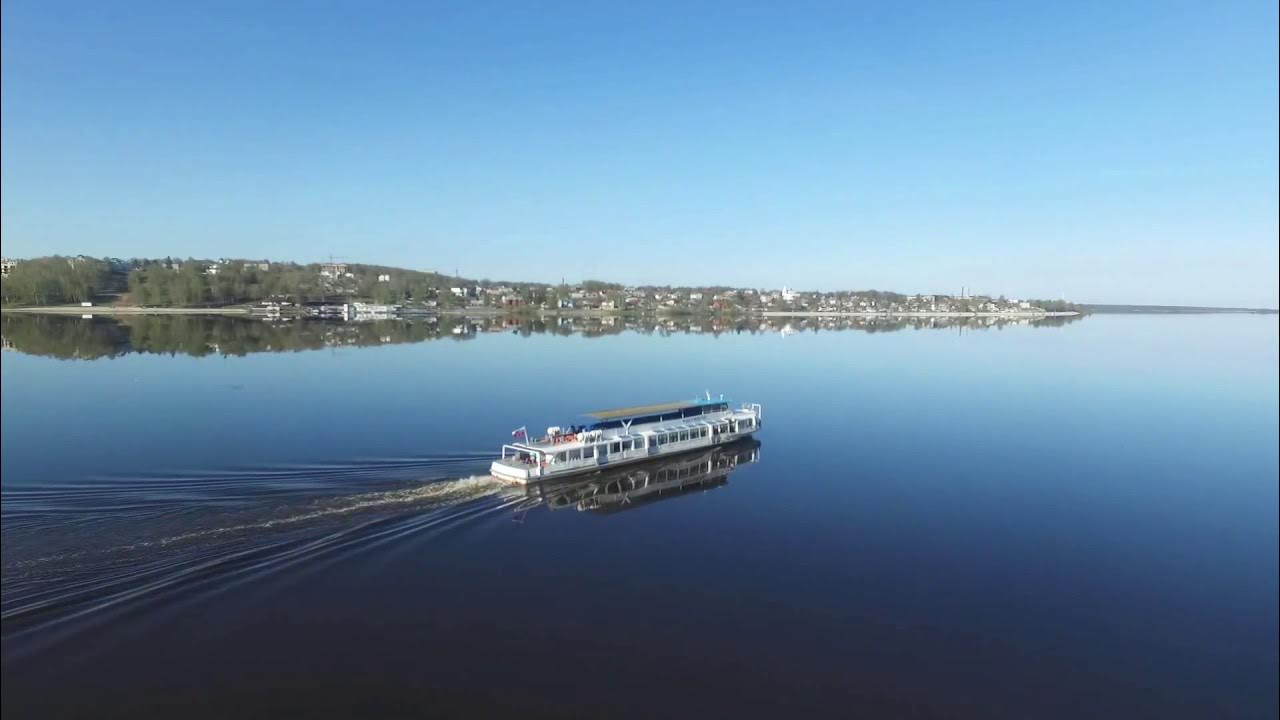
<point x="522" y="455"/>
<point x="601" y="456"/>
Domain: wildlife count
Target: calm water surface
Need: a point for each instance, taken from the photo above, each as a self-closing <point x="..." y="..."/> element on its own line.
<point x="214" y="518"/>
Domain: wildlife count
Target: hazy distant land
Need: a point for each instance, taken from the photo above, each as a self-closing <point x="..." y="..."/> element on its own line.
<point x="1170" y="309"/>
<point x="227" y="286"/>
<point x="333" y="289"/>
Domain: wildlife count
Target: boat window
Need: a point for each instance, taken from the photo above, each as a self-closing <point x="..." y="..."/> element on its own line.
<point x="589" y="451"/>
<point x="575" y="454"/>
<point x="615" y="448"/>
<point x="560" y="457"/>
<point x="684" y="435"/>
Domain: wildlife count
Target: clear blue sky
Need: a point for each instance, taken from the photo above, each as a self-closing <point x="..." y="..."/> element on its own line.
<point x="1105" y="151"/>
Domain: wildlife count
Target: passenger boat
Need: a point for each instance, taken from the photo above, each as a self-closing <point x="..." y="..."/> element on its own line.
<point x="625" y="435"/>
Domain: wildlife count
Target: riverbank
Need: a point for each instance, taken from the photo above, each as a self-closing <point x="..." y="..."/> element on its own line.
<point x="499" y="312"/>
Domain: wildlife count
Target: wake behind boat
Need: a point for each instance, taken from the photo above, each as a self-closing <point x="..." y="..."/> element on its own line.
<point x="625" y="435"/>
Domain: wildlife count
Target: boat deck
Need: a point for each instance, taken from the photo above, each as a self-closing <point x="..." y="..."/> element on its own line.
<point x="546" y="444"/>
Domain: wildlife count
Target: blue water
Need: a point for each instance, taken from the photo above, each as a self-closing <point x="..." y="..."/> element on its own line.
<point x="1006" y="522"/>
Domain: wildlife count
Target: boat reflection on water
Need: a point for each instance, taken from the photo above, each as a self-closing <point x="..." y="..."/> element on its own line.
<point x="634" y="485"/>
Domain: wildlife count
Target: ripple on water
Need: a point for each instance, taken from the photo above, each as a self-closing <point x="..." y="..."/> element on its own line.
<point x="125" y="541"/>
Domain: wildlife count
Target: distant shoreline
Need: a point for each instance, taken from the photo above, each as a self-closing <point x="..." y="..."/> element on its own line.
<point x="1173" y="310"/>
<point x="241" y="310"/>
<point x="838" y="313"/>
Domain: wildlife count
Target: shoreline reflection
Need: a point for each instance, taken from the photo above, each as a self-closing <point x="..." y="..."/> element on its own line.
<point x="100" y="337"/>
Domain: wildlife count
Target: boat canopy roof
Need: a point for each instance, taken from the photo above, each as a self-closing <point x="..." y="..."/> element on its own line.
<point x="646" y="414"/>
<point x="641" y="410"/>
<point x="638" y="410"/>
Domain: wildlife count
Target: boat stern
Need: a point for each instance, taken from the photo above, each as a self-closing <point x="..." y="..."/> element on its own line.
<point x="511" y="472"/>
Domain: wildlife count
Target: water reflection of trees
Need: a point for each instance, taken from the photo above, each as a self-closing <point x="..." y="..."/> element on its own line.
<point x="73" y="337"/>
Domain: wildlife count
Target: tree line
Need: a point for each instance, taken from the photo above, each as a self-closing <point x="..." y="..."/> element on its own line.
<point x="200" y="283"/>
<point x="1057" y="306"/>
<point x="55" y="280"/>
<point x="191" y="284"/>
